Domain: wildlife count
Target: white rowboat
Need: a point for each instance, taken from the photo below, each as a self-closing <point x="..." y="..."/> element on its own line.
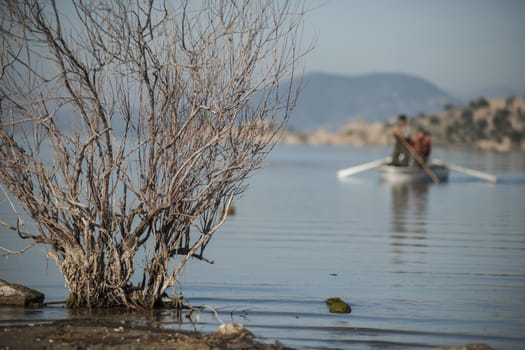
<point x="410" y="174"/>
<point x="436" y="172"/>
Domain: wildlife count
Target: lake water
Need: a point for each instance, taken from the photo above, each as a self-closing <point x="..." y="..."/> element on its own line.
<point x="421" y="265"/>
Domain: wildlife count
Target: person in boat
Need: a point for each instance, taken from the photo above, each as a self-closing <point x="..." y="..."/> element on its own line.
<point x="401" y="155"/>
<point x="422" y="144"/>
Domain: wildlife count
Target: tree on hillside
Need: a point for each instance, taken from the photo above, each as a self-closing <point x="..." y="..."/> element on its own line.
<point x="501" y="124"/>
<point x="131" y="126"/>
<point x="479" y="103"/>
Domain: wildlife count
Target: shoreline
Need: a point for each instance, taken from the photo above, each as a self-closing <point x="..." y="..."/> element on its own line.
<point x="93" y="334"/>
<point x="328" y="138"/>
<point x="101" y="334"/>
<point x="490" y="125"/>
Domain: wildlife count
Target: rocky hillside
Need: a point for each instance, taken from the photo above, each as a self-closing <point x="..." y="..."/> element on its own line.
<point x="495" y="124"/>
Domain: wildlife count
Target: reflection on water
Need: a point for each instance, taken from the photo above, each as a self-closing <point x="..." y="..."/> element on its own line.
<point x="409" y="201"/>
<point x="408" y="220"/>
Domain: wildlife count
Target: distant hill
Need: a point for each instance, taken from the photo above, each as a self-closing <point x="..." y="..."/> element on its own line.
<point x="330" y="101"/>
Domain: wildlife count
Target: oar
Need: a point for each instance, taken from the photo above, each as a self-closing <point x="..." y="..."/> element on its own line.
<point x="468" y="171"/>
<point x="420" y="160"/>
<point x="359" y="168"/>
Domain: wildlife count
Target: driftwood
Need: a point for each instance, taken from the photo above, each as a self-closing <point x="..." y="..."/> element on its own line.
<point x="127" y="129"/>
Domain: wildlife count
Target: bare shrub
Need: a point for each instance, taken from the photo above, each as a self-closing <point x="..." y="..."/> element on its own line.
<point x="128" y="128"/>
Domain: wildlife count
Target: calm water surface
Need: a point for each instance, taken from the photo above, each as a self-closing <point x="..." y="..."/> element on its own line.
<point x="421" y="265"/>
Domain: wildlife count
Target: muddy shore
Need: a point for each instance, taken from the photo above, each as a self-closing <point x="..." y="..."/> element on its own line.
<point x="94" y="334"/>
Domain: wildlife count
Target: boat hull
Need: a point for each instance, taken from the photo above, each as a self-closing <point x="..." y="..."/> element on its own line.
<point x="410" y="174"/>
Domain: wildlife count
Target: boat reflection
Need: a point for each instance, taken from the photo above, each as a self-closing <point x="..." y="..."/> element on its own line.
<point x="408" y="219"/>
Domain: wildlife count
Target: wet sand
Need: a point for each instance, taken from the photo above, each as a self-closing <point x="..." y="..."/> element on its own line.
<point x="94" y="334"/>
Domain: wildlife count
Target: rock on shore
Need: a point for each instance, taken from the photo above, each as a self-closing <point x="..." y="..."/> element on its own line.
<point x="17" y="295"/>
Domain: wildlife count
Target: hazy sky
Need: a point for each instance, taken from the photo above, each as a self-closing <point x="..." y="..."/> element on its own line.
<point x="460" y="45"/>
